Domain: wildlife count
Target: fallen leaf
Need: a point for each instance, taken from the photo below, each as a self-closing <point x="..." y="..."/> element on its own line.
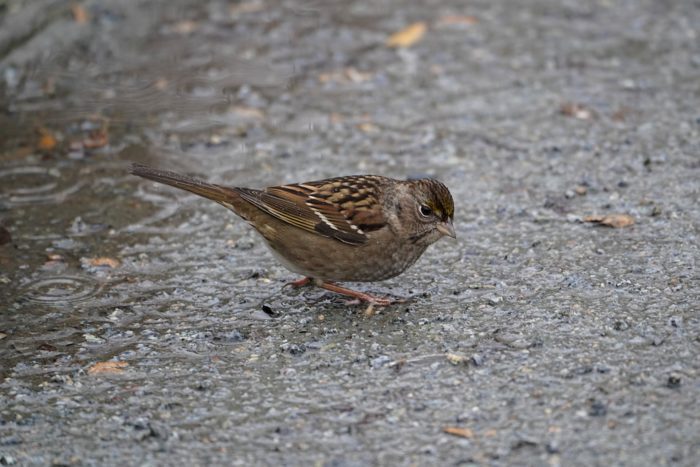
<point x="368" y="127"/>
<point x="457" y="20"/>
<point x="80" y="14"/>
<point x="110" y="367"/>
<point x="245" y="7"/>
<point x="616" y="221"/>
<point x="161" y="84"/>
<point x="249" y="112"/>
<point x="185" y="27"/>
<point x="356" y="76"/>
<point x="96" y="139"/>
<point x="581" y="190"/>
<point x="575" y="110"/>
<point x="104" y="261"/>
<point x="47" y="141"/>
<point x="456" y="359"/>
<point x="346" y="75"/>
<point x="461" y="432"/>
<point x="408" y="35"/>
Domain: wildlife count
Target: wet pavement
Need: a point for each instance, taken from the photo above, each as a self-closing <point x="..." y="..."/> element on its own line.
<point x="140" y="325"/>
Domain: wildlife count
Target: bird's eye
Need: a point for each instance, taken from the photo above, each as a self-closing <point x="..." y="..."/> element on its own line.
<point x="425" y="211"/>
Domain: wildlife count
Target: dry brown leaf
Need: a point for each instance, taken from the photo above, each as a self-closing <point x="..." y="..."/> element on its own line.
<point x="456" y="359"/>
<point x="457" y="20"/>
<point x="580" y="190"/>
<point x="96" y="139"/>
<point x="408" y="35"/>
<point x="249" y="112"/>
<point x="350" y="74"/>
<point x="80" y="14"/>
<point x="104" y="261"/>
<point x="47" y="141"/>
<point x="161" y="84"/>
<point x="575" y="110"/>
<point x="185" y="27"/>
<point x="368" y="127"/>
<point x="245" y="7"/>
<point x="616" y="221"/>
<point x="461" y="432"/>
<point x="107" y="367"/>
<point x="357" y="76"/>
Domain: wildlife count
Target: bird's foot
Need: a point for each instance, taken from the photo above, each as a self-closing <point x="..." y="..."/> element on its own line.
<point x="359" y="297"/>
<point x="298" y="283"/>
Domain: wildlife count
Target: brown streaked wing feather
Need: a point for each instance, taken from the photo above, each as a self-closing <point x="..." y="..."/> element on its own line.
<point x="343" y="208"/>
<point x="356" y="199"/>
<point x="282" y="207"/>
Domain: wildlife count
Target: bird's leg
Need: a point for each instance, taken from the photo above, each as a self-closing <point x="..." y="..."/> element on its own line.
<point x="361" y="296"/>
<point x="298" y="283"/>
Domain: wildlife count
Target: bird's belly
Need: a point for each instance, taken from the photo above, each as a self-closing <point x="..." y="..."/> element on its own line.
<point x="340" y="262"/>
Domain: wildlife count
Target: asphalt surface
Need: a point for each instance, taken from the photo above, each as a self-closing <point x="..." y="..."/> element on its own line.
<point x="143" y="326"/>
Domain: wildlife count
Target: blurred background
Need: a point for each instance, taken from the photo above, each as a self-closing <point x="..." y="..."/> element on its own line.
<point x="143" y="325"/>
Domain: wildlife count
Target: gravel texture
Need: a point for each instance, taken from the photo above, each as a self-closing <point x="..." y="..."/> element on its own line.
<point x="143" y="326"/>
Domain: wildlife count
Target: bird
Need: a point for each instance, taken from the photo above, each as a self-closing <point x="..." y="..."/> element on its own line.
<point x="356" y="228"/>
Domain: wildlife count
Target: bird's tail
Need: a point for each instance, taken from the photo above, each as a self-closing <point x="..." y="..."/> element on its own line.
<point x="216" y="193"/>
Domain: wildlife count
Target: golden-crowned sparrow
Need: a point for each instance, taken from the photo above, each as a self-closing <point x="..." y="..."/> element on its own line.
<point x="357" y="228"/>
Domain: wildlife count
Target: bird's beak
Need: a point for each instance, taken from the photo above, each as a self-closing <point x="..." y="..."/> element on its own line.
<point x="446" y="228"/>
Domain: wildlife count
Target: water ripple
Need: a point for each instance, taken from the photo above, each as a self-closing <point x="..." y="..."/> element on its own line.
<point x="34" y="185"/>
<point x="60" y="290"/>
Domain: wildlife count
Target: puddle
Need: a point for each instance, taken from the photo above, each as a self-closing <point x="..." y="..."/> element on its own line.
<point x="61" y="290"/>
<point x="35" y="185"/>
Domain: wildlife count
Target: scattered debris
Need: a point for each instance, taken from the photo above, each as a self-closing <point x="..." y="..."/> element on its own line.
<point x="185" y="27"/>
<point x="368" y="127"/>
<point x="5" y="236"/>
<point x="575" y="110"/>
<point x="673" y="382"/>
<point x="345" y="75"/>
<point x="407" y="36"/>
<point x="110" y="367"/>
<point x="47" y="141"/>
<point x="80" y="14"/>
<point x="456" y="20"/>
<point x="251" y="113"/>
<point x="457" y="431"/>
<point x="238" y="9"/>
<point x="616" y="221"/>
<point x="456" y="359"/>
<point x="102" y="261"/>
